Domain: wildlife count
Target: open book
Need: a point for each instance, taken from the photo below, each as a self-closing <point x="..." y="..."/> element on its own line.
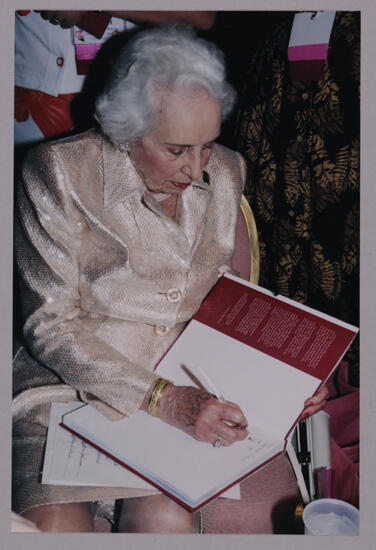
<point x="68" y="460"/>
<point x="266" y="353"/>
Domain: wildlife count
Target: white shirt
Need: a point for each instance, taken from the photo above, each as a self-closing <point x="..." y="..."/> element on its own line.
<point x="45" y="56"/>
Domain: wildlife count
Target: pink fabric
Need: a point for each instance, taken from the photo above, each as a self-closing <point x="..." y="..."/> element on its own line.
<point x="102" y="525"/>
<point x="241" y="260"/>
<point x="267" y="505"/>
<point x="87" y="51"/>
<point x="307" y="52"/>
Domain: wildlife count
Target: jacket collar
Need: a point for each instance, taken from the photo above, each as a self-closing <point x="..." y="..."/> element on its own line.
<point x="121" y="180"/>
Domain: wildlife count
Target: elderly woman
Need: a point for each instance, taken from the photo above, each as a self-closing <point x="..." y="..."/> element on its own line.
<point x="121" y="233"/>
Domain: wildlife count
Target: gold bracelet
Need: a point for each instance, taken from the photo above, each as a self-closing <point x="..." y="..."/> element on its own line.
<point x="156" y="395"/>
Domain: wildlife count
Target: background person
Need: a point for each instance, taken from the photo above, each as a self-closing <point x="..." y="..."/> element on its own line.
<point x="47" y="79"/>
<point x="300" y="138"/>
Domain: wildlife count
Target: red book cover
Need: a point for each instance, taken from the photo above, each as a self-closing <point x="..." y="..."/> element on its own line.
<point x="281" y="328"/>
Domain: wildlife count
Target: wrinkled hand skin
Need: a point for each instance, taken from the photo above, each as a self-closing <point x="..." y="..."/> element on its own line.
<point x="201" y="415"/>
<point x="314" y="404"/>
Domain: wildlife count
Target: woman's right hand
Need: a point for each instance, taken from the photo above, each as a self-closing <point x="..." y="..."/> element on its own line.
<point x="202" y="415"/>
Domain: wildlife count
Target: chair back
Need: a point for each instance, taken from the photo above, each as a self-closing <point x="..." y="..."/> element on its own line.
<point x="246" y="258"/>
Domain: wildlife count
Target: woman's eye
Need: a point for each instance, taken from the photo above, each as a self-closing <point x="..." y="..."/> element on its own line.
<point x="209" y="146"/>
<point x="176" y="152"/>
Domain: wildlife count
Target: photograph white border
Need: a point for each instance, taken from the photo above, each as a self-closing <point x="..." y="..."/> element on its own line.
<point x="31" y="541"/>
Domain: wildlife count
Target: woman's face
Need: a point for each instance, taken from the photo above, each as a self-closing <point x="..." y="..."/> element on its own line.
<point x="176" y="153"/>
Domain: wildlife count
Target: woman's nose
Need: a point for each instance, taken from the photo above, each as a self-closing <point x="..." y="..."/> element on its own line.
<point x="193" y="167"/>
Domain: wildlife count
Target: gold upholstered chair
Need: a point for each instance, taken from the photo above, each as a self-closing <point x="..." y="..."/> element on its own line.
<point x="246" y="259"/>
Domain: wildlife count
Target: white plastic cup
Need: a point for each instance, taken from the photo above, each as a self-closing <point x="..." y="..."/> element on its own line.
<point x="329" y="516"/>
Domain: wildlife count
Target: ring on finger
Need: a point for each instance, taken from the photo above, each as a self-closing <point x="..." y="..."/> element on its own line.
<point x="55" y="21"/>
<point x="217" y="443"/>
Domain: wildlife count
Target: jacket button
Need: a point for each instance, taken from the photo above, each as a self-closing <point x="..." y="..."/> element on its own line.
<point x="173" y="295"/>
<point x="60" y="61"/>
<point x="161" y="330"/>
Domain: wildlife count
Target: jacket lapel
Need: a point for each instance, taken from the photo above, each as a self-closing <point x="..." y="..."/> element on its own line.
<point x="120" y="179"/>
<point x="121" y="182"/>
<point x="194" y="205"/>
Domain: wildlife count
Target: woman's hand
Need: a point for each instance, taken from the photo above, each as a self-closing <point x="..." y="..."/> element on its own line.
<point x="201" y="415"/>
<point x="314" y="404"/>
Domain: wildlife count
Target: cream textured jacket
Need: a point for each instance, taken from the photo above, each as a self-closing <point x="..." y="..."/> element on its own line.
<point x="108" y="279"/>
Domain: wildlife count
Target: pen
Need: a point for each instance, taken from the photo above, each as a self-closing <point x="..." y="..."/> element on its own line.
<point x="208" y="385"/>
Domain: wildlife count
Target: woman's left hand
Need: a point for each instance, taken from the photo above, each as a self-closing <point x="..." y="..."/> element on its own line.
<point x="315" y="403"/>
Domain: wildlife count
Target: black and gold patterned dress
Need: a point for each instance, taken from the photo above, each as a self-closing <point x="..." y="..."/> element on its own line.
<point x="301" y="143"/>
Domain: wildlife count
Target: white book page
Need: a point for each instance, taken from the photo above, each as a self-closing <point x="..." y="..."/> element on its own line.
<point x="70" y="461"/>
<point x="192" y="470"/>
<point x="270" y="393"/>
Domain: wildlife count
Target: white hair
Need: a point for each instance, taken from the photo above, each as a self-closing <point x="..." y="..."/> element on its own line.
<point x="170" y="57"/>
